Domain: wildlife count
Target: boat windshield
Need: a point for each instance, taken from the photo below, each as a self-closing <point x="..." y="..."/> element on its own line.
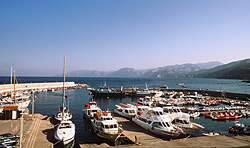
<point x="157" y="113"/>
<point x="65" y="125"/>
<point x="111" y="126"/>
<point x="107" y="118"/>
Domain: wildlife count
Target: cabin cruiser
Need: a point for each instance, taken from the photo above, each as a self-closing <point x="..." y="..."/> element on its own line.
<point x="65" y="132"/>
<point x="182" y="120"/>
<point x="105" y="126"/>
<point x="125" y="110"/>
<point x="90" y="109"/>
<point x="155" y="121"/>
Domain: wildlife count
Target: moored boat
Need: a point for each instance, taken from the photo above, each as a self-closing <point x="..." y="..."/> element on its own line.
<point x="182" y="120"/>
<point x="125" y="111"/>
<point x="155" y="121"/>
<point x="90" y="109"/>
<point x="105" y="126"/>
<point x="65" y="131"/>
<point x="104" y="91"/>
<point x="210" y="133"/>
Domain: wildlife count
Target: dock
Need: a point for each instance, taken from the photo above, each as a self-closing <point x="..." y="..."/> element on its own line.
<point x="39" y="132"/>
<point x="146" y="139"/>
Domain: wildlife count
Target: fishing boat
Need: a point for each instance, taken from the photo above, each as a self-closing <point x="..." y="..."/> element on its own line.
<point x="125" y="110"/>
<point x="226" y="116"/>
<point x="15" y="98"/>
<point x="90" y="109"/>
<point x="65" y="131"/>
<point x="104" y="91"/>
<point x="155" y="121"/>
<point x="105" y="126"/>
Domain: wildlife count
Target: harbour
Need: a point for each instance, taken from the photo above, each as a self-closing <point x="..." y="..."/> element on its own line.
<point x="47" y="103"/>
<point x="39" y="132"/>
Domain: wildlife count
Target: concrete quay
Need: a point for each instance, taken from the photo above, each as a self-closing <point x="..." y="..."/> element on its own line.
<point x="38" y="86"/>
<point x="39" y="132"/>
<point x="147" y="140"/>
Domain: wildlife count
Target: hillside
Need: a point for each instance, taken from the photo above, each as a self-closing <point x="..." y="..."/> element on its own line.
<point x="183" y="70"/>
<point x="233" y="70"/>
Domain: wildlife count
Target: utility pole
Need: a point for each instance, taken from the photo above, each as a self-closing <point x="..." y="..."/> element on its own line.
<point x="21" y="130"/>
<point x="33" y="94"/>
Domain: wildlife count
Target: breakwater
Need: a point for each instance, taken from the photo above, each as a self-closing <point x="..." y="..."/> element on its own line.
<point x="222" y="94"/>
<point x="38" y="86"/>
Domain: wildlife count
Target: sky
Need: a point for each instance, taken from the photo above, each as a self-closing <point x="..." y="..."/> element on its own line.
<point x="107" y="35"/>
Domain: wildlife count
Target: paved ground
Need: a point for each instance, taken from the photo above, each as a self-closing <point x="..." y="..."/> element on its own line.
<point x="38" y="133"/>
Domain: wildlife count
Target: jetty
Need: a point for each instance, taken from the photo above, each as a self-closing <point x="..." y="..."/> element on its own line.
<point x="38" y="86"/>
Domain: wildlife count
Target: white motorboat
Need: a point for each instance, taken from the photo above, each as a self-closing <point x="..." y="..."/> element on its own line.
<point x="147" y="100"/>
<point x="182" y="120"/>
<point x="155" y="121"/>
<point x="175" y="112"/>
<point x="90" y="109"/>
<point x="194" y="114"/>
<point x="65" y="132"/>
<point x="210" y="133"/>
<point x="105" y="126"/>
<point x="125" y="111"/>
<point x="188" y="127"/>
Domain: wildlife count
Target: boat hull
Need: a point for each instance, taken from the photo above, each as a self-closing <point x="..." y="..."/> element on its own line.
<point x="107" y="94"/>
<point x="159" y="132"/>
<point x="121" y="113"/>
<point x="104" y="135"/>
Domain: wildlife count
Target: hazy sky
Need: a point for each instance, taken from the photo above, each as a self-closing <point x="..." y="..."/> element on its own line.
<point x="112" y="34"/>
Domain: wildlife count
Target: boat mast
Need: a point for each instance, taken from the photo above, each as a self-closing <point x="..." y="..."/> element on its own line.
<point x="63" y="87"/>
<point x="14" y="83"/>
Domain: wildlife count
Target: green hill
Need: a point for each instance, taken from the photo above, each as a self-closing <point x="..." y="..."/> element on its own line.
<point x="233" y="70"/>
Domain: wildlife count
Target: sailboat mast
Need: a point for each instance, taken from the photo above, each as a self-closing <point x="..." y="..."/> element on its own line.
<point x="14" y="83"/>
<point x="63" y="86"/>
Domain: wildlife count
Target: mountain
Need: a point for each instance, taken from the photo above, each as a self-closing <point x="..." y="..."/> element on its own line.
<point x="234" y="70"/>
<point x="87" y="73"/>
<point x="126" y="72"/>
<point x="183" y="70"/>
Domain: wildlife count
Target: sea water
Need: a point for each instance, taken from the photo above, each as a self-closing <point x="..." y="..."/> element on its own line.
<point x="48" y="102"/>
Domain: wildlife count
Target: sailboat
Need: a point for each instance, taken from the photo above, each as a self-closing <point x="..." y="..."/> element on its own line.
<point x="17" y="99"/>
<point x="65" y="132"/>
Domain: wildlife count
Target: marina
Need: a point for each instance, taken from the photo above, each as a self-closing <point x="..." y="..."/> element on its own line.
<point x="47" y="104"/>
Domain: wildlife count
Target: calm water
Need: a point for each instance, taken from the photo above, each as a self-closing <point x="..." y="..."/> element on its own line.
<point x="48" y="102"/>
